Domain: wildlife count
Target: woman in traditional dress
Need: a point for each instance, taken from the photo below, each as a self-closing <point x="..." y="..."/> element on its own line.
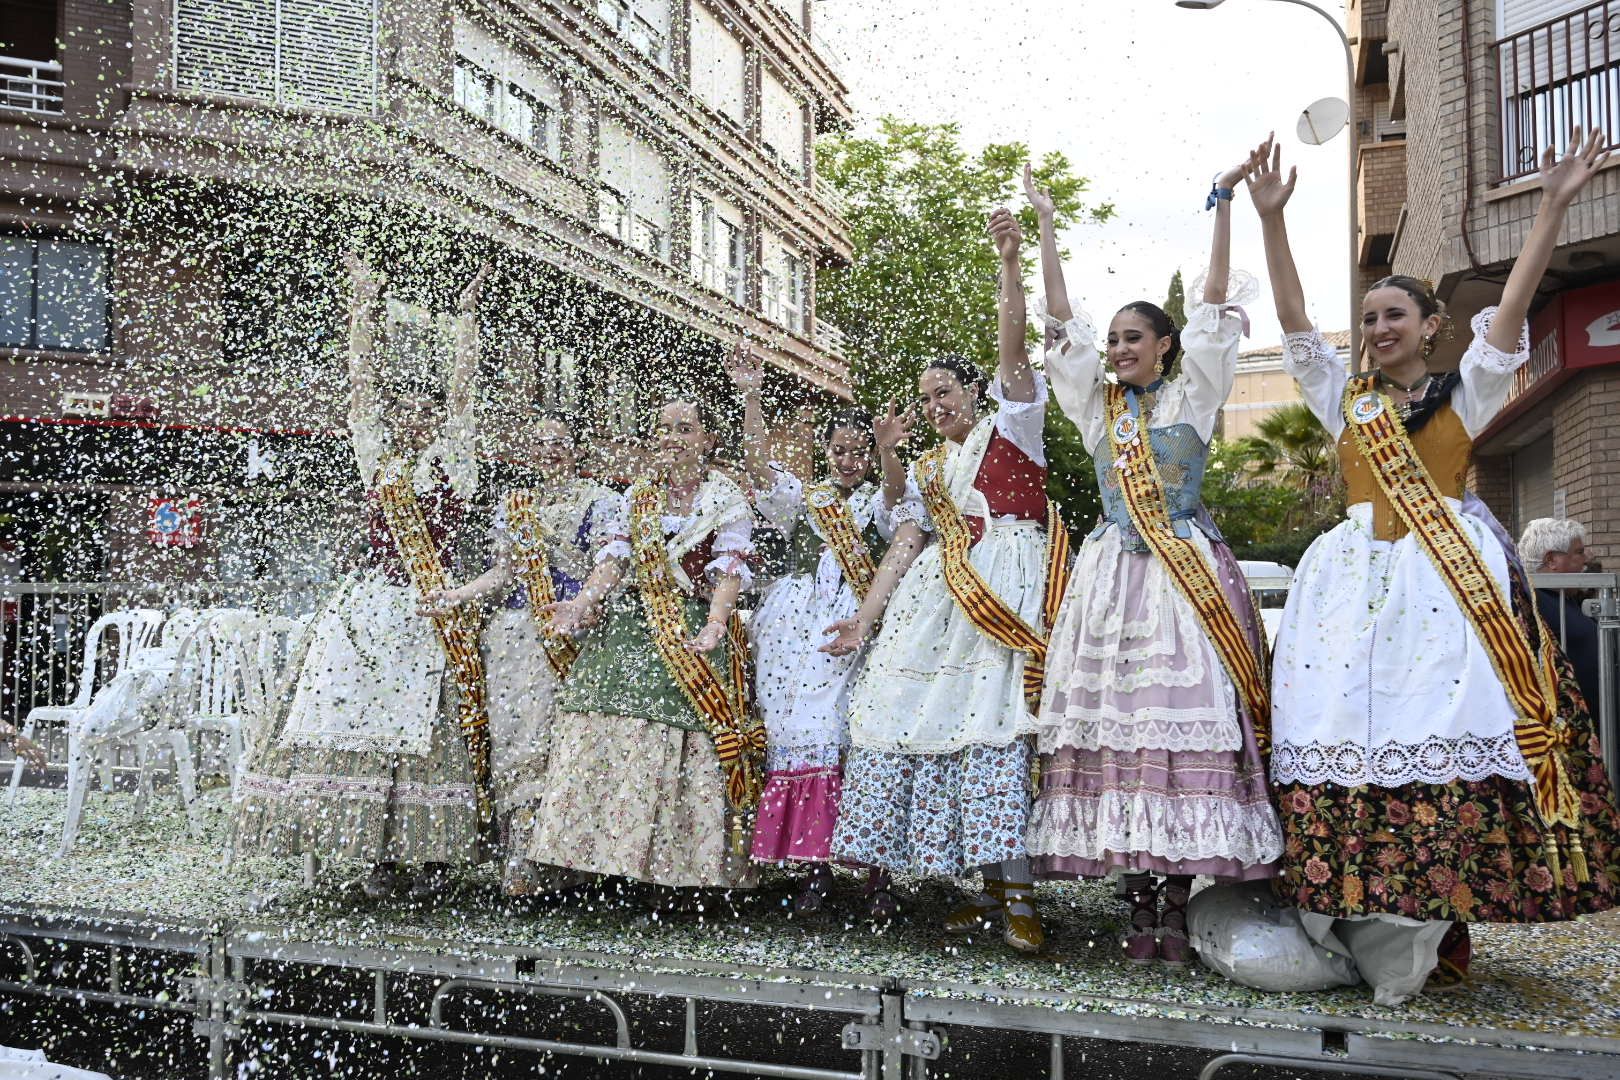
<point x="1156" y="683"/>
<point x="835" y="530"/>
<point x="542" y="540"/>
<point x="381" y="753"/>
<point x="1429" y="764"/>
<point x="937" y="780"/>
<point x="657" y="756"/>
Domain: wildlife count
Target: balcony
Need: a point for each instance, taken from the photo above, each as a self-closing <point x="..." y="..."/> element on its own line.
<point x="1367" y="25"/>
<point x="33" y="86"/>
<point x="1380" y="195"/>
<point x="830" y="339"/>
<point x="1556" y="76"/>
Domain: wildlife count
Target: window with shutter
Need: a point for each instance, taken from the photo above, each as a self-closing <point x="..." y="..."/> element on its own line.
<point x="635" y="182"/>
<point x="782" y="283"/>
<point x="782" y="123"/>
<point x="53" y="294"/>
<point x="719" y="69"/>
<point x="504" y="87"/>
<point x="717" y="244"/>
<point x="1559" y="69"/>
<point x="642" y="24"/>
<point x="299" y="53"/>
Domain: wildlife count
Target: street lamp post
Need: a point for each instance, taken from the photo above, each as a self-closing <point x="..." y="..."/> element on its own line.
<point x="1355" y="146"/>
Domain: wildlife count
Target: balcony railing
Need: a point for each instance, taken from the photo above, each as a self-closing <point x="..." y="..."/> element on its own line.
<point x="1556" y="76"/>
<point x="31" y="85"/>
<point x="830" y="338"/>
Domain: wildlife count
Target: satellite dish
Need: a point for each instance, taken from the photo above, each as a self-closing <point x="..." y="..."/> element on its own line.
<point x="1322" y="120"/>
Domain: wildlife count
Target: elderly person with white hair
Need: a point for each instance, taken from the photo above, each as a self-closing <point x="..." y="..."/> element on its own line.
<point x="1558" y="546"/>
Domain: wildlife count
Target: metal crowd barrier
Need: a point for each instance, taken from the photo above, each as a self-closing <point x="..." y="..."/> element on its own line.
<point x="1600" y="602"/>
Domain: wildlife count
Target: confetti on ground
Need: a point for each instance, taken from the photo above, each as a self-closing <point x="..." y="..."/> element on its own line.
<point x="1561" y="979"/>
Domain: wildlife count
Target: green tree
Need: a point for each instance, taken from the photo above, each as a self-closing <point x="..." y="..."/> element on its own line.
<point x="1291" y="447"/>
<point x="923" y="281"/>
<point x="1175" y="301"/>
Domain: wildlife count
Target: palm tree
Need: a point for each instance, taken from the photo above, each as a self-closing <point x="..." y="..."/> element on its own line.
<point x="1291" y="446"/>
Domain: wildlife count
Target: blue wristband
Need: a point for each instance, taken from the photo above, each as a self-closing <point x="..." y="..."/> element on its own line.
<point x="1217" y="193"/>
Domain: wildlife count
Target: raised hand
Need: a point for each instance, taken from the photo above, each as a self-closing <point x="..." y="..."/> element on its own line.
<point x="1230" y="178"/>
<point x="848" y="634"/>
<point x="475" y="288"/>
<point x="1563" y="178"/>
<point x="1267" y="190"/>
<point x="706" y="639"/>
<point x="1039" y="198"/>
<point x="1004" y="232"/>
<point x="745" y="368"/>
<point x="891" y="429"/>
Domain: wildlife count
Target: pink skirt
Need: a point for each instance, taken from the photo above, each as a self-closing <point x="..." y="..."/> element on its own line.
<point x="797" y="813"/>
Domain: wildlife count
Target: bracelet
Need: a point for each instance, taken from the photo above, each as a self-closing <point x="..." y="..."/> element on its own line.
<point x="1217" y="192"/>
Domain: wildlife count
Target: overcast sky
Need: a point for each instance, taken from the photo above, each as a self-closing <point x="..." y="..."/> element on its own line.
<point x="1148" y="100"/>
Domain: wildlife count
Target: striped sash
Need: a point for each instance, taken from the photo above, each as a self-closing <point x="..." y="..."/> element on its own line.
<point x="726" y="712"/>
<point x="836" y="524"/>
<point x="1527" y="677"/>
<point x="988" y="612"/>
<point x="1194" y="577"/>
<point x="534" y="570"/>
<point x="457" y="631"/>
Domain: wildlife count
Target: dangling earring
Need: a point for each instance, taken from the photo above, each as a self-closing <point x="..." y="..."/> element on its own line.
<point x="1428" y="346"/>
<point x="1158" y="367"/>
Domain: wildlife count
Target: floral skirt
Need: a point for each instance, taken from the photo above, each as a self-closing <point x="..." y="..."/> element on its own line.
<point x="939" y="815"/>
<point x="636" y="799"/>
<point x="1466" y="851"/>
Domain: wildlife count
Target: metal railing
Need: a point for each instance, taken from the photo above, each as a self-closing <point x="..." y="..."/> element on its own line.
<point x="830" y="337"/>
<point x="1556" y="76"/>
<point x="43" y="629"/>
<point x="1600" y="602"/>
<point x="31" y="85"/>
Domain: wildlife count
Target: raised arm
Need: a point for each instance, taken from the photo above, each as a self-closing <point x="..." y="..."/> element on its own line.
<point x="1270" y="194"/>
<point x="849" y="634"/>
<point x="746" y="369"/>
<point x="1217" y="281"/>
<point x="364" y="291"/>
<point x="1561" y="180"/>
<point x="1017" y="377"/>
<point x="889" y="432"/>
<point x="465" y="371"/>
<point x="1057" y="292"/>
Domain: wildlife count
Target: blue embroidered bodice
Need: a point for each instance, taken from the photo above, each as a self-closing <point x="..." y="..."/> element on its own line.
<point x="1181" y="456"/>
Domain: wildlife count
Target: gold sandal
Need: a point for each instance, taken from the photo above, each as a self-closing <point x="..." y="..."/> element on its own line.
<point x="1022" y="933"/>
<point x="977" y="914"/>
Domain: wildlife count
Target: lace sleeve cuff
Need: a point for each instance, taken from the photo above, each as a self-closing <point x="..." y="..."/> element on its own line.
<point x="1488" y="356"/>
<point x="1047" y="318"/>
<point x="1307" y="349"/>
<point x="617" y="547"/>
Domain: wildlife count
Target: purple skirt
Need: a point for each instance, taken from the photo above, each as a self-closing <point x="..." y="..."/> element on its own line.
<point x="1148" y="759"/>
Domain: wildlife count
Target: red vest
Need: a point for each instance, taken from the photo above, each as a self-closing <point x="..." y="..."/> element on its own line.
<point x="1012" y="484"/>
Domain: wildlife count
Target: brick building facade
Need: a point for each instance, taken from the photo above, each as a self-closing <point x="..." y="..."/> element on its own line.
<point x="1457" y="97"/>
<point x="179" y="178"/>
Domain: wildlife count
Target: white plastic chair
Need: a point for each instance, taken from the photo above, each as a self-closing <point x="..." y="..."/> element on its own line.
<point x="117" y="714"/>
<point x="125" y="633"/>
<point x="264" y="651"/>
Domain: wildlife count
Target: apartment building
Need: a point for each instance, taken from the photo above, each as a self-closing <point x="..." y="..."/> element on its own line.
<point x="1457" y="99"/>
<point x="179" y="180"/>
<point x="1261" y="386"/>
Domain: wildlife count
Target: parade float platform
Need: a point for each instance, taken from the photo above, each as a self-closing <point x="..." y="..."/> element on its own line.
<point x="141" y="916"/>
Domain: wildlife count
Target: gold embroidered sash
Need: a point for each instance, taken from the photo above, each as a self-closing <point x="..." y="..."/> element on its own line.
<point x="457" y="631"/>
<point x="534" y="570"/>
<point x="1528" y="678"/>
<point x="1193" y="576"/>
<point x="738" y="735"/>
<point x="836" y="524"/>
<point x="988" y="612"/>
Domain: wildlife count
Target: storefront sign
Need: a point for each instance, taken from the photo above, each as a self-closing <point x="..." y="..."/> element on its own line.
<point x="175" y="521"/>
<point x="85" y="403"/>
